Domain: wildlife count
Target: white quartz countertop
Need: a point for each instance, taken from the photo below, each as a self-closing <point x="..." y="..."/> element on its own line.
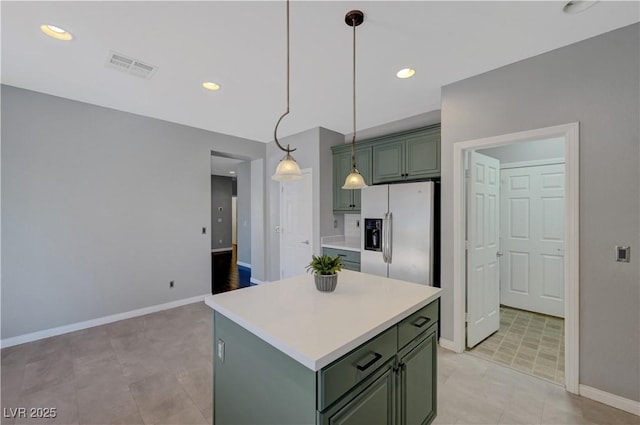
<point x="346" y="245"/>
<point x="340" y="242"/>
<point x="315" y="328"/>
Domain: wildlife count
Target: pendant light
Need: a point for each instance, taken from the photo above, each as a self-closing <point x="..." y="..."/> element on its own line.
<point x="287" y="169"/>
<point x="354" y="180"/>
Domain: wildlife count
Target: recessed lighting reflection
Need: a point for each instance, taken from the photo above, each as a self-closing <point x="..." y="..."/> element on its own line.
<point x="56" y="32"/>
<point x="406" y="73"/>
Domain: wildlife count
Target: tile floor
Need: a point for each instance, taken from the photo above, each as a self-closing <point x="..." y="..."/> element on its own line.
<point x="156" y="369"/>
<point x="527" y="341"/>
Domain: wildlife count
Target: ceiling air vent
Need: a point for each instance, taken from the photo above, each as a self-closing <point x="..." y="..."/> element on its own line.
<point x="130" y="65"/>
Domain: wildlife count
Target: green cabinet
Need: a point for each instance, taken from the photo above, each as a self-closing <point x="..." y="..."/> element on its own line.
<point x="345" y="200"/>
<point x="387" y="380"/>
<point x="350" y="259"/>
<point x="372" y="402"/>
<point x="418" y="380"/>
<point x="407" y="156"/>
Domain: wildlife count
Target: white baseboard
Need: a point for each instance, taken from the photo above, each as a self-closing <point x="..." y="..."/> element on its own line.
<point x="34" y="336"/>
<point x="256" y="281"/>
<point x="609" y="399"/>
<point x="446" y="344"/>
<point x="245" y="265"/>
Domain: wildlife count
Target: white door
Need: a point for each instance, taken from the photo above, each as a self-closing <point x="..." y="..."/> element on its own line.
<point x="296" y="212"/>
<point x="483" y="284"/>
<point x="532" y="229"/>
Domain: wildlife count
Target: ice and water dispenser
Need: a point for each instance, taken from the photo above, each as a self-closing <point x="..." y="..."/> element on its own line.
<point x="373" y="234"/>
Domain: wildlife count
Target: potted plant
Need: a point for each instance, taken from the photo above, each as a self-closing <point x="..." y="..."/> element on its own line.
<point x="325" y="271"/>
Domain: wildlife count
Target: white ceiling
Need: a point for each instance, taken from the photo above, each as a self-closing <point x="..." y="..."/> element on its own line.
<point x="241" y="45"/>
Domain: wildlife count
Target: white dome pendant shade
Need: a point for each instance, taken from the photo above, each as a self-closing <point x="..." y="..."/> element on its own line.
<point x="354" y="180"/>
<point x="287" y="170"/>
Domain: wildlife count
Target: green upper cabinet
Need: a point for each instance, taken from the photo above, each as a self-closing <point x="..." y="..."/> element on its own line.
<point x="348" y="201"/>
<point x="406" y="157"/>
<point x="388" y="162"/>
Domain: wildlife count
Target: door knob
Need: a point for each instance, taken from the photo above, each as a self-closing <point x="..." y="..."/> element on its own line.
<point x="499" y="254"/>
<point x="305" y="242"/>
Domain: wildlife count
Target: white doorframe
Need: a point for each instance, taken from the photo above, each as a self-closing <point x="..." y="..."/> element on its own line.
<point x="570" y="132"/>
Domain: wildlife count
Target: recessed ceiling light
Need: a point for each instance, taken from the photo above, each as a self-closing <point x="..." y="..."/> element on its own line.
<point x="211" y="86"/>
<point x="56" y="32"/>
<point x="232" y="172"/>
<point x="406" y="73"/>
<point x="577" y="6"/>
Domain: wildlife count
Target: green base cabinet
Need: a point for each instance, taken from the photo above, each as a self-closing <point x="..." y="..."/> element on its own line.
<point x="388" y="380"/>
<point x="418" y="380"/>
<point x="350" y="259"/>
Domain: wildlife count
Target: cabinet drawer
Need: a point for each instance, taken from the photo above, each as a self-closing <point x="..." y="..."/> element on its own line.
<point x="348" y="265"/>
<point x="350" y="256"/>
<point x="340" y="376"/>
<point x="417" y="323"/>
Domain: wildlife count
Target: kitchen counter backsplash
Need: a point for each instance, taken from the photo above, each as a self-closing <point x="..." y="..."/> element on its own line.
<point x="352" y="227"/>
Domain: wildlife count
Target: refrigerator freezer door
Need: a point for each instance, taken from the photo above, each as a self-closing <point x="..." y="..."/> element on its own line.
<point x="374" y="203"/>
<point x="412" y="232"/>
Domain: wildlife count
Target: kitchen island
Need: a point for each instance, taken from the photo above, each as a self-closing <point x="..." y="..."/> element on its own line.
<point x="285" y="353"/>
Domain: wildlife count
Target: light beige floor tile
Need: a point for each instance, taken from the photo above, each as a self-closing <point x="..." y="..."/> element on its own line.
<point x="61" y="397"/>
<point x="198" y="384"/>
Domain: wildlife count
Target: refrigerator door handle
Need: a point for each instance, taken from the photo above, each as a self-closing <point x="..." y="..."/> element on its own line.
<point x="384" y="237"/>
<point x="390" y="238"/>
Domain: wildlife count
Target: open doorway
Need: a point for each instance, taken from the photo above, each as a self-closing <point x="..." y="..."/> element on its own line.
<point x="227" y="271"/>
<point x="515" y="226"/>
<point x="484" y="281"/>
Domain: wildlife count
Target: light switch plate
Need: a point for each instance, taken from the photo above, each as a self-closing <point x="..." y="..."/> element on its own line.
<point x="623" y="253"/>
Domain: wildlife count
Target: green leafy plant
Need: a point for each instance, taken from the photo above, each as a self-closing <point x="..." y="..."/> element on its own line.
<point x="324" y="265"/>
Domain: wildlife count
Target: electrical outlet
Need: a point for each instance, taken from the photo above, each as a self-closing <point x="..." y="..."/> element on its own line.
<point x="335" y="224"/>
<point x="221" y="350"/>
<point x="171" y="283"/>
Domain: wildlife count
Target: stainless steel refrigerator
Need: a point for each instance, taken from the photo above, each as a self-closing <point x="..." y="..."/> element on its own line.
<point x="397" y="231"/>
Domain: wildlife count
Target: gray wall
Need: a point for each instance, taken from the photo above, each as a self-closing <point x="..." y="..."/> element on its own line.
<point x="258" y="222"/>
<point x="595" y="82"/>
<point x="527" y="151"/>
<point x="243" y="207"/>
<point x="221" y="221"/>
<point x="313" y="150"/>
<point x="100" y="210"/>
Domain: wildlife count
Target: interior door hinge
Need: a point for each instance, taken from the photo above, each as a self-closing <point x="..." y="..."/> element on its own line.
<point x="467" y="173"/>
<point x="466" y="317"/>
<point x="467" y="244"/>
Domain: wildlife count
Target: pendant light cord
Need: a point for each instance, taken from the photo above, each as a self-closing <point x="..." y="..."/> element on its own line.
<point x="275" y="131"/>
<point x="353" y="138"/>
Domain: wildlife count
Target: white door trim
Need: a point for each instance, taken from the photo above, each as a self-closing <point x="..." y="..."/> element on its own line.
<point x="532" y="163"/>
<point x="570" y="133"/>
